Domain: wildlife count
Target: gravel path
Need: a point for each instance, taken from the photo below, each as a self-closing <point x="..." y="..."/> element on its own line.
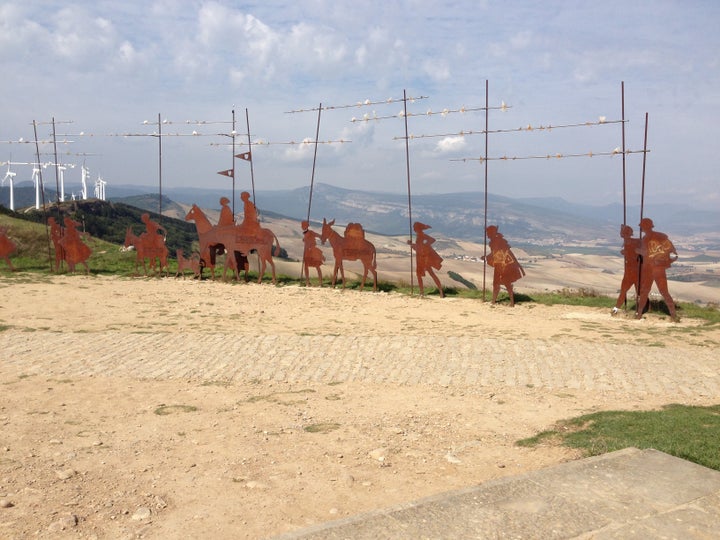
<point x="404" y="360"/>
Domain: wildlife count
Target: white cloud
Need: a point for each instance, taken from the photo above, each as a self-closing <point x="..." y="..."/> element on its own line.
<point x="299" y="152"/>
<point x="451" y="145"/>
<point x="437" y="69"/>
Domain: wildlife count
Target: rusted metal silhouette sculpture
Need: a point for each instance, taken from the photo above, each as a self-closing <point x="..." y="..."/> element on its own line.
<point x="630" y="278"/>
<point x="192" y="264"/>
<point x="208" y="257"/>
<point x="312" y="255"/>
<point x="75" y="250"/>
<point x="427" y="259"/>
<point x="7" y="247"/>
<point x="150" y="246"/>
<point x="56" y="234"/>
<point x="658" y="253"/>
<point x="351" y="247"/>
<point x="243" y="238"/>
<point x="506" y="268"/>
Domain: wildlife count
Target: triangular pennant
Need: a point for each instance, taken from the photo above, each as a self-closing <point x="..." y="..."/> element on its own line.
<point x="230" y="173"/>
<point x="247" y="156"/>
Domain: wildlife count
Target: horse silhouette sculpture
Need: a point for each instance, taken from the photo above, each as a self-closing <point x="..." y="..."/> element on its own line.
<point x="147" y="248"/>
<point x="235" y="239"/>
<point x="350" y="247"/>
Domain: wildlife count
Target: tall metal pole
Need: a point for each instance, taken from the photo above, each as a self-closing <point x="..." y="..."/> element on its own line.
<point x="252" y="171"/>
<point x="312" y="183"/>
<point x="642" y="191"/>
<point x="624" y="191"/>
<point x="57" y="165"/>
<point x="312" y="175"/>
<point x="487" y="111"/>
<point x="407" y="167"/>
<point x="42" y="191"/>
<point x="159" y="168"/>
<point x="232" y="134"/>
<point x="638" y="308"/>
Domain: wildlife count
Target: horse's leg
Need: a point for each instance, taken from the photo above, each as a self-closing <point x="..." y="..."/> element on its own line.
<point x="364" y="278"/>
<point x="342" y="273"/>
<point x="261" y="268"/>
<point x="228" y="260"/>
<point x="231" y="260"/>
<point x="272" y="266"/>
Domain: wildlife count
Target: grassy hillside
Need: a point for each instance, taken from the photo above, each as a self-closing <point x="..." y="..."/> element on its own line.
<point x="109" y="220"/>
<point x="35" y="251"/>
<point x="104" y="222"/>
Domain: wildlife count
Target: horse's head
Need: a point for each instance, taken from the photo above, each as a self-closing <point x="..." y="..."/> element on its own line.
<point x="192" y="213"/>
<point x="326" y="230"/>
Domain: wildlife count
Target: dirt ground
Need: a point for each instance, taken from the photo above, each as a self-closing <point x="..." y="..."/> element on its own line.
<point x="117" y="449"/>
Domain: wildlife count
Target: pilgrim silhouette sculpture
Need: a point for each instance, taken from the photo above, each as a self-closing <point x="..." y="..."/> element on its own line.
<point x="506" y="268"/>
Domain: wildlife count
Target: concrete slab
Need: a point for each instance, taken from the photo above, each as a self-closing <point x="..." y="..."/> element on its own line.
<point x="626" y="494"/>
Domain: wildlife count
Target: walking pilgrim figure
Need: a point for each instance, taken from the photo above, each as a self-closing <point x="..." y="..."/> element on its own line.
<point x="75" y="250"/>
<point x="506" y="268"/>
<point x="427" y="259"/>
<point x="250" y="225"/>
<point x="631" y="276"/>
<point x="56" y="234"/>
<point x="657" y="253"/>
<point x="312" y="254"/>
<point x="7" y="247"/>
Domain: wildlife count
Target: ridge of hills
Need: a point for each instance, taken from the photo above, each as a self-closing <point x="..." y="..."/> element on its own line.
<point x="534" y="221"/>
<point x="547" y="222"/>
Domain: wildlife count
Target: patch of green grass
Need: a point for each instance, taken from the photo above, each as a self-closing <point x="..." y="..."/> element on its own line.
<point x="164" y="410"/>
<point x="687" y="432"/>
<point x="325" y="427"/>
<point x="278" y="397"/>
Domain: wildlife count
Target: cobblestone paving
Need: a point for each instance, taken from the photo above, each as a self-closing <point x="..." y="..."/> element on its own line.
<point x="403" y="360"/>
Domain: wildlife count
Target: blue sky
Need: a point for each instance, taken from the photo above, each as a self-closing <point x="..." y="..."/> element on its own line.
<point x="107" y="66"/>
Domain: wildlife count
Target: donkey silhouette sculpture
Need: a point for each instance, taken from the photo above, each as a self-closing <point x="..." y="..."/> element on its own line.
<point x="350" y="247"/>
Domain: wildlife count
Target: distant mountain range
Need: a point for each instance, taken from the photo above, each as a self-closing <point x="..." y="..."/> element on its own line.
<point x="547" y="221"/>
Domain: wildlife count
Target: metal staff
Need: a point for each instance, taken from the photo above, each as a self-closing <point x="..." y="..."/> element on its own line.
<point x="312" y="183"/>
<point x="407" y="166"/>
<point x="487" y="110"/>
<point x="642" y="207"/>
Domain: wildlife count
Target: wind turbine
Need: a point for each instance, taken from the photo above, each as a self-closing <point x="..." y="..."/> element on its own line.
<point x="36" y="181"/>
<point x="9" y="176"/>
<point x="83" y="178"/>
<point x="100" y="188"/>
<point x="62" y="169"/>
